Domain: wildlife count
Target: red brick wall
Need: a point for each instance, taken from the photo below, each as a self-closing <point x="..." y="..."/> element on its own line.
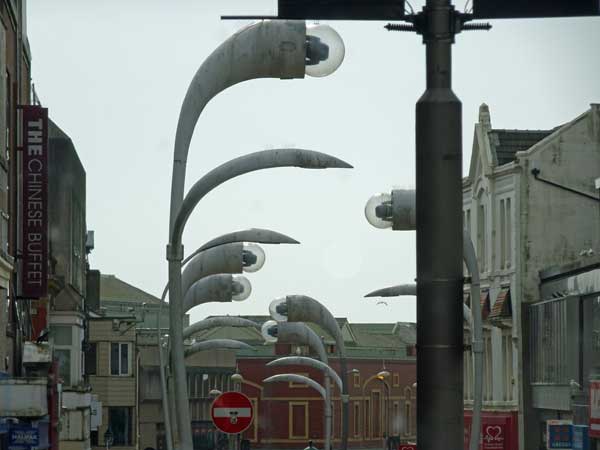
<point x="274" y="400"/>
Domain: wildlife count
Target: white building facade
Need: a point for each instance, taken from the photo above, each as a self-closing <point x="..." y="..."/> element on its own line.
<point x="525" y="207"/>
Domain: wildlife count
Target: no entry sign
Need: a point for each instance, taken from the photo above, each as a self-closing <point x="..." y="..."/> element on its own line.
<point x="232" y="412"/>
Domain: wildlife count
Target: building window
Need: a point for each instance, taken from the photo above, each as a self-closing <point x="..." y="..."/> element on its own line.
<point x="161" y="443"/>
<point x="396" y="380"/>
<point x="508" y="239"/>
<point x="367" y="416"/>
<point x="120" y="423"/>
<point x="487" y="368"/>
<point x="507" y="354"/>
<point x="94" y="438"/>
<point x="298" y="420"/>
<point x="396" y="424"/>
<point x="62" y="338"/>
<point x="407" y="419"/>
<point x="468" y="375"/>
<point x="553" y="338"/>
<point x="356" y="418"/>
<point x="357" y="380"/>
<point x="502" y="234"/>
<point x="481" y="241"/>
<point x="63" y="357"/>
<point x="90" y="359"/>
<point x="120" y="358"/>
<point x="376" y="413"/>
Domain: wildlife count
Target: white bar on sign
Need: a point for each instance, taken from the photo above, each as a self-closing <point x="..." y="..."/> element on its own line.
<point x="595" y="426"/>
<point x="228" y="412"/>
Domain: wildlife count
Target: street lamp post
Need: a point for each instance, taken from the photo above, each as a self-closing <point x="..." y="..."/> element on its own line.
<point x="301" y="308"/>
<point x="383" y="376"/>
<point x="398" y="211"/>
<point x="216" y="262"/>
<point x="271" y="49"/>
<point x="300" y="333"/>
<point x="231" y="169"/>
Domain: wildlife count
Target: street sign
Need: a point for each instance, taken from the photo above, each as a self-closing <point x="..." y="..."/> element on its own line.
<point x="23" y="436"/>
<point x="560" y="433"/>
<point x="232" y="412"/>
<point x="595" y="409"/>
<point x="514" y="9"/>
<point x="341" y="9"/>
<point x="581" y="437"/>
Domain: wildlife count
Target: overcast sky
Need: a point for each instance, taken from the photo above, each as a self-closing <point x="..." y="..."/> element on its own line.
<point x="114" y="73"/>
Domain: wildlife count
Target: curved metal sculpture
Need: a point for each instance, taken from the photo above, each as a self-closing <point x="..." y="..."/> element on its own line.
<point x="214" y="322"/>
<point x="216" y="344"/>
<point x="301" y="308"/>
<point x="294" y="378"/>
<point x="213" y="288"/>
<point x="309" y="362"/>
<point x="180" y="212"/>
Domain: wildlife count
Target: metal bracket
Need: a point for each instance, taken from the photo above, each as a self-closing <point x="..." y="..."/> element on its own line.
<point x="174" y="253"/>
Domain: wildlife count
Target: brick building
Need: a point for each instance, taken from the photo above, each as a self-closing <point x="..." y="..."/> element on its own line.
<point x="288" y="415"/>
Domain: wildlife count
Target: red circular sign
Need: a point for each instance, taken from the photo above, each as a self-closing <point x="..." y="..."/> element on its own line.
<point x="232" y="412"/>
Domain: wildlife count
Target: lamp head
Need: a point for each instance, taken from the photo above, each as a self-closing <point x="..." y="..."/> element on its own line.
<point x="324" y="50"/>
<point x="378" y="210"/>
<point x="237" y="378"/>
<point x="278" y="309"/>
<point x="253" y="257"/>
<point x="214" y="393"/>
<point x="269" y="331"/>
<point x="383" y="375"/>
<point x="241" y="288"/>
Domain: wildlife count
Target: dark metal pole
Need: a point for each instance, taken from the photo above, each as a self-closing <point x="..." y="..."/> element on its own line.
<point x="439" y="241"/>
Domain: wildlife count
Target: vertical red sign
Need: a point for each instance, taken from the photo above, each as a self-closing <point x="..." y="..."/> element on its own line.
<point x="595" y="409"/>
<point x="34" y="220"/>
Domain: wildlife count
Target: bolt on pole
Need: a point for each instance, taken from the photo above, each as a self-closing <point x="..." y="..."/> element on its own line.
<point x="439" y="240"/>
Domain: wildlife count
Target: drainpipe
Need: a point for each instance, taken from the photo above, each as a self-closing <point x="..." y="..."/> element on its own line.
<point x="137" y="400"/>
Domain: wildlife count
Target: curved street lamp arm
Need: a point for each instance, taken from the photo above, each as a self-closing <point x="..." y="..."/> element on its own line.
<point x="394" y="291"/>
<point x="213" y="288"/>
<point x="411" y="290"/>
<point x="294" y="378"/>
<point x="259" y="235"/>
<point x="477" y="337"/>
<point x="265" y="159"/>
<point x="310" y="362"/>
<point x="301" y="308"/>
<point x="302" y="334"/>
<point x="216" y="344"/>
<point x="226" y="258"/>
<point x="251" y="235"/>
<point x="221" y="321"/>
<point x="267" y="49"/>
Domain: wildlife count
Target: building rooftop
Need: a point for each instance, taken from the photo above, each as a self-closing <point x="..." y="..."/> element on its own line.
<point x="506" y="143"/>
<point x="363" y="340"/>
<point x="115" y="289"/>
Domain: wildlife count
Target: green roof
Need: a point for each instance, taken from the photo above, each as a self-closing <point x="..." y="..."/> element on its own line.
<point x="369" y="340"/>
<point x="115" y="289"/>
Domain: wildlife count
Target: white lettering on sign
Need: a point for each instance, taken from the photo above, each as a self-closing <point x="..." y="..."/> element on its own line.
<point x="230" y="412"/>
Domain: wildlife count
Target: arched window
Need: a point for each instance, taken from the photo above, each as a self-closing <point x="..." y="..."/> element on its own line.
<point x="407" y="418"/>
